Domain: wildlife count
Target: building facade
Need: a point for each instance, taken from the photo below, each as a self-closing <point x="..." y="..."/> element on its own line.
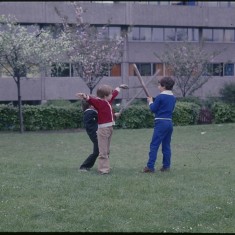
<point x="153" y="24"/>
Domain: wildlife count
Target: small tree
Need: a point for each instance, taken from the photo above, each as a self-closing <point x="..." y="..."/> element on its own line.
<point x="188" y="63"/>
<point x="22" y="51"/>
<point x="91" y="52"/>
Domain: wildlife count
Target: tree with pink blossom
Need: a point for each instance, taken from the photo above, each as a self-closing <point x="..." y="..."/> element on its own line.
<point x="189" y="64"/>
<point x="91" y="52"/>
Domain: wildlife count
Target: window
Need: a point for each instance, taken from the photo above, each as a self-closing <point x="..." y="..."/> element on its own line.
<point x="164" y="2"/>
<point x="229" y="35"/>
<point x="209" y="4"/>
<point x="55" y="29"/>
<point x="144" y="69"/>
<point x="158" y="66"/>
<point x="145" y="33"/>
<point x="134" y="33"/>
<point x="157" y="34"/>
<point x="114" y="32"/>
<point x="168" y="70"/>
<point x="229" y="69"/>
<point x="218" y="35"/>
<point x="223" y="4"/>
<point x="103" y="32"/>
<point x="214" y="69"/>
<point x="169" y="34"/>
<point x="218" y="69"/>
<point x="116" y="70"/>
<point x="193" y="34"/>
<point x="207" y="34"/>
<point x="181" y="34"/>
<point x="131" y="70"/>
<point x="63" y="70"/>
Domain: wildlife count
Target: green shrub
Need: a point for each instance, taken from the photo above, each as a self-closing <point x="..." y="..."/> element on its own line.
<point x="50" y="117"/>
<point x="140" y="116"/>
<point x="8" y="117"/>
<point x="136" y="116"/>
<point x="41" y="117"/>
<point x="223" y="113"/>
<point x="186" y="113"/>
<point x="228" y="93"/>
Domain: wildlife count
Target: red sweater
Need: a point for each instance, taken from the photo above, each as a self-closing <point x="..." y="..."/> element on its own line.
<point x="104" y="108"/>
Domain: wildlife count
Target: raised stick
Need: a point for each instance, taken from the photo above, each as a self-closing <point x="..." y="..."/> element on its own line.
<point x="138" y="93"/>
<point x="141" y="80"/>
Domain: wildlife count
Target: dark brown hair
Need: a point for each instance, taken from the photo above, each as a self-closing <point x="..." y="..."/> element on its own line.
<point x="167" y="82"/>
<point x="85" y="105"/>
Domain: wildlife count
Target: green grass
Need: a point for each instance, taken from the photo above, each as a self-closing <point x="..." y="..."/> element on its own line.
<point x="41" y="189"/>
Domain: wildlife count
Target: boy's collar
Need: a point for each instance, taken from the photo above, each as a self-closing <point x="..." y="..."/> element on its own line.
<point x="167" y="92"/>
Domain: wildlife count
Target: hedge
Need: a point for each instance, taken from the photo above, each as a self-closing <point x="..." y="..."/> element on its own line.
<point x="51" y="117"/>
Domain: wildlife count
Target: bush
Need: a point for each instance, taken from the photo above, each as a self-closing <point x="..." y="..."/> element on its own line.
<point x="136" y="116"/>
<point x="223" y="113"/>
<point x="228" y="93"/>
<point x="41" y="117"/>
<point x="8" y="117"/>
<point x="50" y="117"/>
<point x="186" y="113"/>
<point x="140" y="116"/>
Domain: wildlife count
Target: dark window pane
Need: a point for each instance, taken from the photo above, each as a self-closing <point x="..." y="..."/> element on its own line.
<point x="169" y="34"/>
<point x="181" y="34"/>
<point x="218" y="69"/>
<point x="144" y="69"/>
<point x="62" y="70"/>
<point x="229" y="70"/>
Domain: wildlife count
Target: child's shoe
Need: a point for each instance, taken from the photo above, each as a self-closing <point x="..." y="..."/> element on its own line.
<point x="165" y="169"/>
<point x="147" y="170"/>
<point x="84" y="169"/>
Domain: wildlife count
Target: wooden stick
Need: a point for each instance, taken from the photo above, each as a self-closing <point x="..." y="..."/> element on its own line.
<point x="138" y="93"/>
<point x="141" y="80"/>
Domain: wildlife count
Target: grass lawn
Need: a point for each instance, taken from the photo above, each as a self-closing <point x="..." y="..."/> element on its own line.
<point x="41" y="189"/>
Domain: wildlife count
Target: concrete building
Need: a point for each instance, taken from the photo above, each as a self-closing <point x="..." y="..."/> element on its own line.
<point x="154" y="23"/>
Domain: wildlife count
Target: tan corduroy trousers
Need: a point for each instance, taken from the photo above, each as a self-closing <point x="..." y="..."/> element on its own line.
<point x="104" y="135"/>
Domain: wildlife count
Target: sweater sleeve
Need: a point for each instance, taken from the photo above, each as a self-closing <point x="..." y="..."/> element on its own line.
<point x="94" y="101"/>
<point x="114" y="95"/>
<point x="155" y="105"/>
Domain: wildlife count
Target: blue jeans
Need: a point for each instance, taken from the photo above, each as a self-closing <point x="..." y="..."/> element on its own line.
<point x="162" y="133"/>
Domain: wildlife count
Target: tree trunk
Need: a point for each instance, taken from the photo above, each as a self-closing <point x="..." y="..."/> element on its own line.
<point x="20" y="106"/>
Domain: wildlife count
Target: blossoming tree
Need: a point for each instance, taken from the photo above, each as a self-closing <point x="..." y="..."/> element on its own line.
<point x="189" y="64"/>
<point x="91" y="52"/>
<point x="21" y="51"/>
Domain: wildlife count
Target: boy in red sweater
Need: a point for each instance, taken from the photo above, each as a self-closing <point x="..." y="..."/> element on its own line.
<point x="106" y="119"/>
